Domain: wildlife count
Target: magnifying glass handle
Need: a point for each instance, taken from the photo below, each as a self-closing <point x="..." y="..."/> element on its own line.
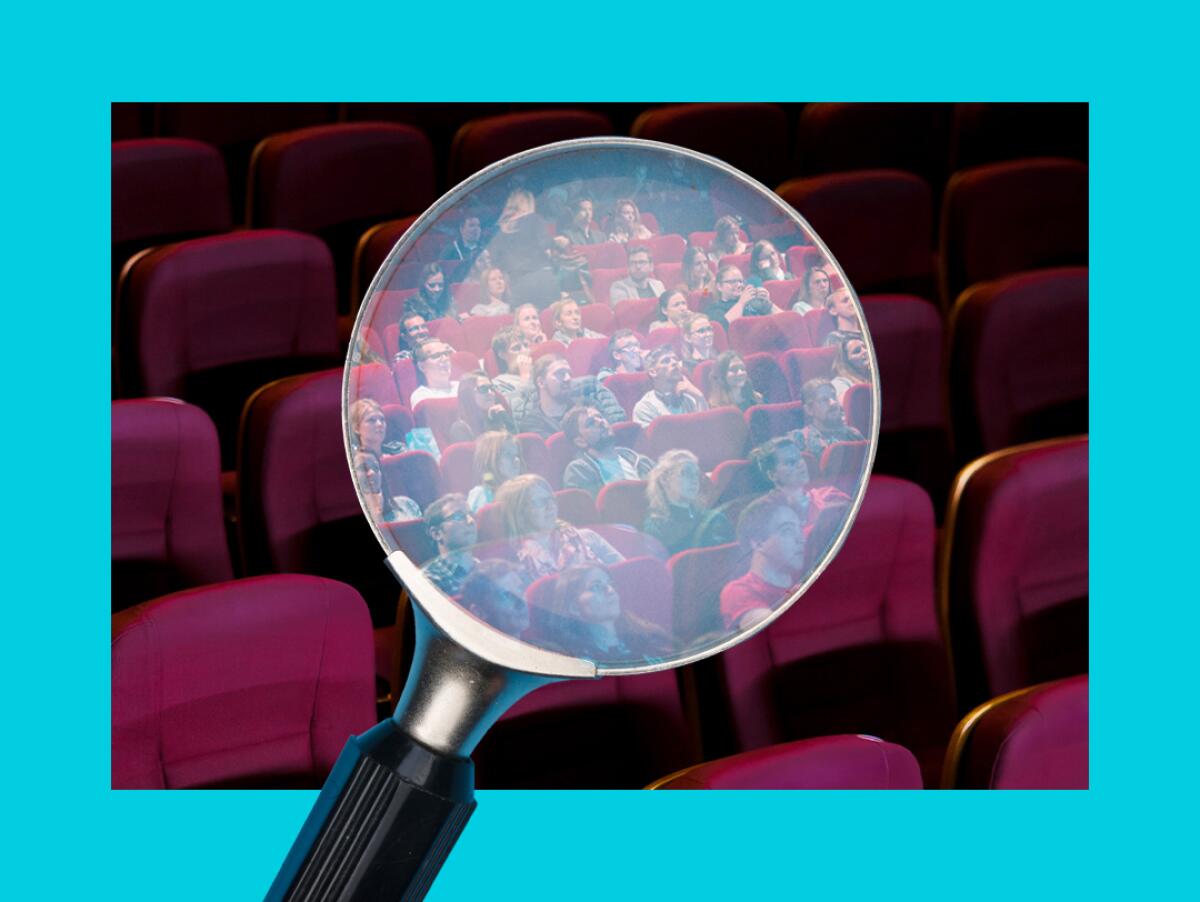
<point x="389" y="814"/>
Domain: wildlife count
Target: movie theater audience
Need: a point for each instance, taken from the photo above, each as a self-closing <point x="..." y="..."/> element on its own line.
<point x="494" y="296"/>
<point x="813" y="292"/>
<point x="672" y="309"/>
<point x="625" y="354"/>
<point x="432" y="300"/>
<point x="511" y="350"/>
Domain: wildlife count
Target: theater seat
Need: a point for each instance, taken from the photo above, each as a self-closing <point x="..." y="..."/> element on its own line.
<point x="768" y="421"/>
<point x="1019" y="360"/>
<point x="828" y="762"/>
<point x="803" y="364"/>
<point x="1034" y="738"/>
<point x="698" y="576"/>
<point x="712" y="435"/>
<point x="629" y="389"/>
<point x="438" y="415"/>
<point x="767" y="377"/>
<point x="623" y="501"/>
<point x="723" y="130"/>
<point x="481" y="142"/>
<point x="250" y="683"/>
<point x="168" y="532"/>
<point x="1015" y="590"/>
<point x="1005" y="218"/>
<point x="457" y="467"/>
<point x="861" y="650"/>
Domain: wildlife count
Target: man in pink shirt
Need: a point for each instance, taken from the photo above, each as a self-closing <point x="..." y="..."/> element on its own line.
<point x="773" y="533"/>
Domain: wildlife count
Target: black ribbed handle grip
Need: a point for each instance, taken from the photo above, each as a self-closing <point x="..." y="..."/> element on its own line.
<point x="388" y="816"/>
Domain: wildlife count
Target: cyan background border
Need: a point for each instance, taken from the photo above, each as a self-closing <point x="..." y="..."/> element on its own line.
<point x="72" y="837"/>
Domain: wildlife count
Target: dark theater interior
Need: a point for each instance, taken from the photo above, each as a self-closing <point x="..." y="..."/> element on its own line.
<point x="254" y="624"/>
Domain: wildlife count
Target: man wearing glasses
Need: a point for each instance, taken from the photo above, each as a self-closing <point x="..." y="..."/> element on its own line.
<point x="640" y="282"/>
<point x="452" y="526"/>
<point x="672" y="392"/>
<point x="625" y="354"/>
<point x="599" y="460"/>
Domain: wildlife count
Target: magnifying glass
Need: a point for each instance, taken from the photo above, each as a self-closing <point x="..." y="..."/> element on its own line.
<point x="694" y="388"/>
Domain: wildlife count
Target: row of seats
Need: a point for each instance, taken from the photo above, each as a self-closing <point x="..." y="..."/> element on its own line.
<point x="869" y="622"/>
<point x="996" y="219"/>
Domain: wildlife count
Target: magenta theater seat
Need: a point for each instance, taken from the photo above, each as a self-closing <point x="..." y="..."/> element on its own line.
<point x="827" y="762"/>
<point x="480" y="142"/>
<point x="712" y="435"/>
<point x="1035" y="738"/>
<point x="253" y="683"/>
<point x="722" y="130"/>
<point x="168" y="531"/>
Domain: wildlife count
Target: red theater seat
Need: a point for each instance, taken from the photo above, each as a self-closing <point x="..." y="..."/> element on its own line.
<point x="842" y="463"/>
<point x="587" y="355"/>
<point x="828" y="762"/>
<point x="1017" y="568"/>
<point x="712" y="435"/>
<point x="576" y="506"/>
<point x="210" y="320"/>
<point x="378" y="382"/>
<point x="623" y="501"/>
<point x="478" y="332"/>
<point x="803" y="364"/>
<point x="371" y="250"/>
<point x="458" y="468"/>
<point x="1019" y="360"/>
<point x="163" y="190"/>
<point x="767" y="377"/>
<point x="249" y="683"/>
<point x="768" y="421"/>
<point x="1006" y="218"/>
<point x="1035" y="738"/>
<point x="862" y="649"/>
<point x="607" y="255"/>
<point x="878" y="224"/>
<point x="167" y="527"/>
<point x="698" y="576"/>
<point x="298" y="510"/>
<point x="776" y="333"/>
<point x="989" y="132"/>
<point x="749" y="136"/>
<point x="482" y="142"/>
<point x="856" y="403"/>
<point x="438" y="415"/>
<point x="800" y="258"/>
<point x="535" y="458"/>
<point x="629" y="389"/>
<point x="336" y="180"/>
<point x="413" y="473"/>
<point x="663" y="249"/>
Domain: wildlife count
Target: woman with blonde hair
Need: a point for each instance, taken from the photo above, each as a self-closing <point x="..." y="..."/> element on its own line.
<point x="697" y="270"/>
<point x="497" y="460"/>
<point x="626" y="224"/>
<point x="568" y="322"/>
<point x="494" y="297"/>
<point x="527" y="320"/>
<point x="677" y="512"/>
<point x="727" y="241"/>
<point x="543" y="543"/>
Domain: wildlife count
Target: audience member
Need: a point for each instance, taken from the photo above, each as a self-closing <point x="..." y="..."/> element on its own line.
<point x="379" y="501"/>
<point x="521" y="247"/>
<point x="774" y="537"/>
<point x="451" y="525"/>
<point x="494" y="593"/>
<point x="460" y="253"/>
<point x="480" y="408"/>
<point x="511" y="350"/>
<point x="697" y="270"/>
<point x="586" y="621"/>
<point x="432" y="300"/>
<point x="568" y="322"/>
<point x="852" y="365"/>
<point x="541" y="408"/>
<point x="497" y="460"/>
<point x="727" y="241"/>
<point x="413" y="332"/>
<point x="678" y="515"/>
<point x="765" y="264"/>
<point x="368" y="429"/>
<point x="825" y="418"/>
<point x="729" y="384"/>
<point x="543" y="543"/>
<point x="696" y="334"/>
<point x="782" y="462"/>
<point x="840" y="321"/>
<point x="494" y="299"/>
<point x="626" y="224"/>
<point x="571" y="270"/>
<point x="735" y="298"/>
<point x="813" y="292"/>
<point x="582" y="229"/>
<point x="640" y="282"/>
<point x="672" y="392"/>
<point x="598" y="459"/>
<point x="529" y="322"/>
<point x="624" y="353"/>
<point x="672" y="309"/>
<point x="433" y="368"/>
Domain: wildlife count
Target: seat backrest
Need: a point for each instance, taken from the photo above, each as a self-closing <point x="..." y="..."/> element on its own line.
<point x="414" y="474"/>
<point x="723" y="130"/>
<point x="802" y="364"/>
<point x="827" y="762"/>
<point x="800" y="258"/>
<point x="664" y="249"/>
<point x="768" y="421"/>
<point x="628" y="388"/>
<point x="712" y="435"/>
<point x="372" y="249"/>
<point x="327" y="175"/>
<point x="1017" y="568"/>
<point x="776" y="333"/>
<point x="458" y="467"/>
<point x="257" y="681"/>
<point x="480" y="142"/>
<point x="168" y="532"/>
<point x="478" y="332"/>
<point x="698" y="575"/>
<point x="908" y="338"/>
<point x="608" y="255"/>
<point x="587" y="355"/>
<point x="856" y="403"/>
<point x="437" y="414"/>
<point x="165" y="189"/>
<point x="1005" y="218"/>
<point x="862" y="649"/>
<point x="878" y="224"/>
<point x="766" y="375"/>
<point x="1035" y="738"/>
<point x="576" y="506"/>
<point x="623" y="501"/>
<point x="1019" y="360"/>
<point x="222" y="301"/>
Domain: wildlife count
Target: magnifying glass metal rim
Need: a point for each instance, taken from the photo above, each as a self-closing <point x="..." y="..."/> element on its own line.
<point x="472" y="634"/>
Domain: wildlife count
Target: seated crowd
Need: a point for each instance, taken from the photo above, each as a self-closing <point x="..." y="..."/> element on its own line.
<point x="784" y="521"/>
